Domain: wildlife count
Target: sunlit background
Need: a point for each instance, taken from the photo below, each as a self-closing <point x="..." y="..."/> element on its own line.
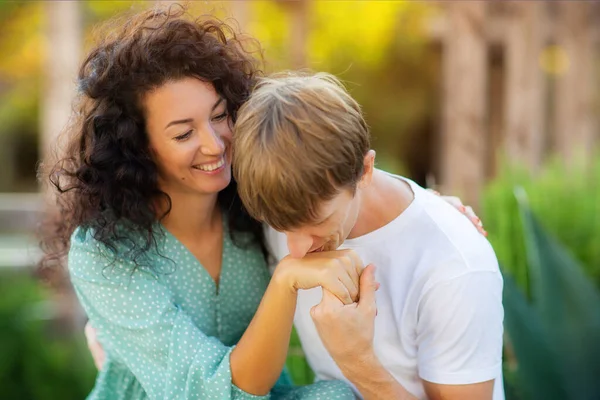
<point x="496" y="102"/>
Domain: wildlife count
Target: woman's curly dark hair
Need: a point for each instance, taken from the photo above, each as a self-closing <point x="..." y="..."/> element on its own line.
<point x="107" y="179"/>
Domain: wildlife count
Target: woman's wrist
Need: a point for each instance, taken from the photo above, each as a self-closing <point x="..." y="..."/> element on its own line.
<point x="283" y="279"/>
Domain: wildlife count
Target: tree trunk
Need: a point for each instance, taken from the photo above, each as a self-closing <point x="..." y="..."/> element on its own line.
<point x="575" y="120"/>
<point x="298" y="12"/>
<point x="64" y="34"/>
<point x="464" y="106"/>
<point x="240" y="11"/>
<point x="496" y="108"/>
<point x="525" y="84"/>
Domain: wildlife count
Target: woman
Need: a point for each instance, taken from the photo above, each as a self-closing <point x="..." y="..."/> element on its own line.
<point x="164" y="259"/>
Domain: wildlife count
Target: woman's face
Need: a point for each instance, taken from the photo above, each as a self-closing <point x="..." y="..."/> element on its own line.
<point x="190" y="136"/>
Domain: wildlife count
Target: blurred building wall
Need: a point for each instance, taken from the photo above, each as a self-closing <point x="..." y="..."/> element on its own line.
<point x="547" y="78"/>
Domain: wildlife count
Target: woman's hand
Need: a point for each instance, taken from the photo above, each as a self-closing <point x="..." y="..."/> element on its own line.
<point x="466" y="210"/>
<point x="94" y="346"/>
<point x="337" y="271"/>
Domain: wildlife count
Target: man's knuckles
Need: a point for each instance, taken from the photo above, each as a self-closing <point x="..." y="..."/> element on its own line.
<point x="323" y="312"/>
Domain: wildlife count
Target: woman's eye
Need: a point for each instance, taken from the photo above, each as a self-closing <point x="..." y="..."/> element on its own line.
<point x="184" y="136"/>
<point x="220" y="117"/>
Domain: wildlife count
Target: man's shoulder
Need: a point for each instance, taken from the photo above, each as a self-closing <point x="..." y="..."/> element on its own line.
<point x="437" y="240"/>
<point x="448" y="243"/>
<point x="453" y="247"/>
<point x="436" y="219"/>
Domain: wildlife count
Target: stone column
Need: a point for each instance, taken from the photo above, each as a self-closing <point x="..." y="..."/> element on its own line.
<point x="464" y="102"/>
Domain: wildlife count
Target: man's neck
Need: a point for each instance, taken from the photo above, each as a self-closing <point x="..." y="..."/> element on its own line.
<point x="382" y="202"/>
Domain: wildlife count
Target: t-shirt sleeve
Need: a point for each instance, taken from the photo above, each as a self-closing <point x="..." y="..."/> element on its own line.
<point x="459" y="329"/>
<point x="141" y="325"/>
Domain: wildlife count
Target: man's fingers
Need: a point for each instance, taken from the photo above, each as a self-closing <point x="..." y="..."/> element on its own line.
<point x="368" y="287"/>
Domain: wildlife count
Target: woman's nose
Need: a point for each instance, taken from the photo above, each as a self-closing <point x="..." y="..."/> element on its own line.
<point x="211" y="143"/>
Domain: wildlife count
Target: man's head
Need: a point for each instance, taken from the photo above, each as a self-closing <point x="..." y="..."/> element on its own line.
<point x="302" y="159"/>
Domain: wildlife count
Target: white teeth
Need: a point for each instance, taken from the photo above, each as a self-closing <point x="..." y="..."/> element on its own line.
<point x="211" y="167"/>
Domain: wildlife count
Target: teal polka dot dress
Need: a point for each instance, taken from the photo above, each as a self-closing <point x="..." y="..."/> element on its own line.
<point x="167" y="331"/>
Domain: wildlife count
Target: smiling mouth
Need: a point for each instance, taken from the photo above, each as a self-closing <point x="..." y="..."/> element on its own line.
<point x="210" y="167"/>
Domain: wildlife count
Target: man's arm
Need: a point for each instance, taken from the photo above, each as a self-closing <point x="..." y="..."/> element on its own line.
<point x="475" y="391"/>
<point x="465" y="310"/>
<point x="372" y="380"/>
<point x="347" y="333"/>
<point x="460" y="336"/>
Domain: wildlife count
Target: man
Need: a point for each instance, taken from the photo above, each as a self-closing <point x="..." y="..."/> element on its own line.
<point x="304" y="166"/>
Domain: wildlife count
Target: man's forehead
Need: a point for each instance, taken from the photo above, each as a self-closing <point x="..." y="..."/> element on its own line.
<point x="323" y="212"/>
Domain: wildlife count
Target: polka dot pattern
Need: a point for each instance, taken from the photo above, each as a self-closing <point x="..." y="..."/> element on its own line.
<point x="169" y="335"/>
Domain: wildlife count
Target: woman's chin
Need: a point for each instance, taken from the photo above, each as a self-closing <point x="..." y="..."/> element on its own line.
<point x="215" y="184"/>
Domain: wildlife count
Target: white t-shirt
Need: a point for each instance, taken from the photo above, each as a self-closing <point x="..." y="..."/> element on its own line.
<point x="439" y="306"/>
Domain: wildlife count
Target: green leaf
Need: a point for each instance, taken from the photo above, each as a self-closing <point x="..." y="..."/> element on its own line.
<point x="538" y="369"/>
<point x="568" y="307"/>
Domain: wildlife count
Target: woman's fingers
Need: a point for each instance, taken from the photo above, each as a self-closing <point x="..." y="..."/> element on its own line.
<point x="339" y="290"/>
<point x="352" y="287"/>
<point x="94" y="346"/>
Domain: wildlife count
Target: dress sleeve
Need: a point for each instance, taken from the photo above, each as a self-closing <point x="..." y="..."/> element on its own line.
<point x="140" y="324"/>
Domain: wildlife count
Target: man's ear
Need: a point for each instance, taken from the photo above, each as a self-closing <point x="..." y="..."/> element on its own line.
<point x="368" y="168"/>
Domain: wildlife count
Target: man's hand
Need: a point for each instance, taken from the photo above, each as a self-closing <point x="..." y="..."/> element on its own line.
<point x="94" y="346"/>
<point x="347" y="333"/>
<point x="347" y="330"/>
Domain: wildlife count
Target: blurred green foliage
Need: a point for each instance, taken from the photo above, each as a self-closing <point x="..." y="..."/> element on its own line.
<point x="40" y="360"/>
<point x="554" y="335"/>
<point x="567" y="201"/>
<point x="299" y="370"/>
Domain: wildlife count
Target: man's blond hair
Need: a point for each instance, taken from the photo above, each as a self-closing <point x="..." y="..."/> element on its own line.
<point x="298" y="141"/>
